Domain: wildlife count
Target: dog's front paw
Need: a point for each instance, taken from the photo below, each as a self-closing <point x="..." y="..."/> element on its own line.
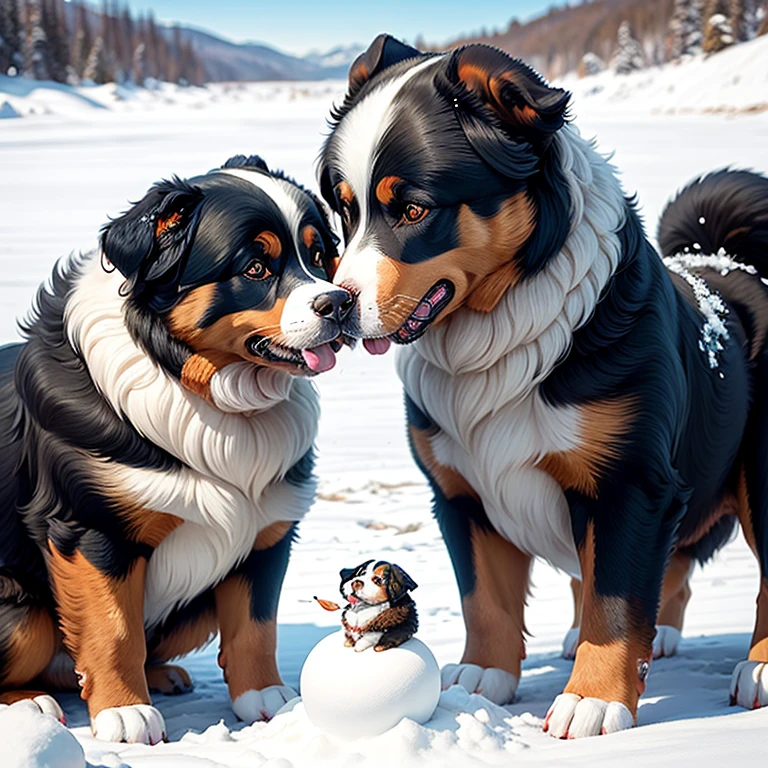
<point x="253" y="706"/>
<point x="135" y="724"/>
<point x="574" y="717"/>
<point x="666" y="641"/>
<point x="749" y="684"/>
<point x="168" y="679"/>
<point x="40" y="703"/>
<point x="496" y="685"/>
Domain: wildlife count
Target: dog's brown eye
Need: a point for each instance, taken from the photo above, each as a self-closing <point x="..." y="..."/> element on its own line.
<point x="257" y="270"/>
<point x="376" y="580"/>
<point x="413" y="213"/>
<point x="346" y="214"/>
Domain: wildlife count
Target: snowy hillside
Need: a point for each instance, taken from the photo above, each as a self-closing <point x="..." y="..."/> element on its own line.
<point x="80" y="155"/>
<point x="735" y="80"/>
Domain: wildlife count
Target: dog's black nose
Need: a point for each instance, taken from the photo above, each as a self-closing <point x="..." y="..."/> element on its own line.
<point x="333" y="305"/>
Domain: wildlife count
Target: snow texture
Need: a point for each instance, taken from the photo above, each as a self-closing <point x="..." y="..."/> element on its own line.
<point x="78" y="155"/>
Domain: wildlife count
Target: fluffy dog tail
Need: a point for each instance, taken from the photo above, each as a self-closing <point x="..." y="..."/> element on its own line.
<point x="725" y="209"/>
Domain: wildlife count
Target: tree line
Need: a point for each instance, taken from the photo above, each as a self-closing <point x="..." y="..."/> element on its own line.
<point x="77" y="43"/>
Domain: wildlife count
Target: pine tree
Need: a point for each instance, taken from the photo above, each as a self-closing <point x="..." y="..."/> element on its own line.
<point x="138" y="68"/>
<point x="83" y="42"/>
<point x="762" y="28"/>
<point x="591" y="64"/>
<point x="718" y="33"/>
<point x="10" y="36"/>
<point x="629" y="53"/>
<point x="97" y="68"/>
<point x="737" y="20"/>
<point x="57" y="34"/>
<point x="685" y="28"/>
<point x="36" y="53"/>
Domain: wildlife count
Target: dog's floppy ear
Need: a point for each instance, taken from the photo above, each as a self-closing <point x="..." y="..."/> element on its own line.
<point x="399" y="583"/>
<point x="346" y="574"/>
<point x="382" y="53"/>
<point x="524" y="104"/>
<point x="151" y="238"/>
<point x="250" y="162"/>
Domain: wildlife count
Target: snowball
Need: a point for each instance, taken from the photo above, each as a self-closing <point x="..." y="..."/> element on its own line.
<point x="31" y="739"/>
<point x="357" y="695"/>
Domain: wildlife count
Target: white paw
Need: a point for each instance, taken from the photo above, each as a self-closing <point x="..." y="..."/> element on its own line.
<point x="44" y="703"/>
<point x="573" y="717"/>
<point x="253" y="706"/>
<point x="135" y="724"/>
<point x="666" y="641"/>
<point x="571" y="643"/>
<point x="749" y="684"/>
<point x="496" y="685"/>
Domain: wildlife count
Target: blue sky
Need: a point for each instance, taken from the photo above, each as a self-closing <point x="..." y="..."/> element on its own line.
<point x="298" y="26"/>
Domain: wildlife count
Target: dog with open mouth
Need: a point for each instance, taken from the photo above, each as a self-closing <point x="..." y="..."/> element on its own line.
<point x="567" y="396"/>
<point x="156" y="433"/>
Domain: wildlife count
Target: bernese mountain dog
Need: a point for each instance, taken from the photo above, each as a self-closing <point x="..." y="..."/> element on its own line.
<point x="568" y="394"/>
<point x="156" y="432"/>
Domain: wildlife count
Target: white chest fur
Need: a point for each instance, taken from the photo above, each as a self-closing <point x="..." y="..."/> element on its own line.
<point x="230" y="487"/>
<point x="477" y="375"/>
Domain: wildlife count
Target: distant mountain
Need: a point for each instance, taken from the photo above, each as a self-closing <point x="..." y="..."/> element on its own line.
<point x="225" y="60"/>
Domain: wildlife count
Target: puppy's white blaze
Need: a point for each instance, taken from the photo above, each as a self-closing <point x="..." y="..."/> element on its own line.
<point x="357" y="147"/>
<point x="299" y="324"/>
<point x="477" y="375"/>
<point x="229" y="488"/>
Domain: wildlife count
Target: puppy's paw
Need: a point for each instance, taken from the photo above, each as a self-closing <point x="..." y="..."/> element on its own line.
<point x="496" y="685"/>
<point x="40" y="703"/>
<point x="253" y="706"/>
<point x="666" y="641"/>
<point x="571" y="643"/>
<point x="749" y="685"/>
<point x="574" y="717"/>
<point x="135" y="724"/>
<point x="169" y="679"/>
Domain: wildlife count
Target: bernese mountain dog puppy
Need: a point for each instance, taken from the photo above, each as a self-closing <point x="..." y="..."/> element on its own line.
<point x="568" y="395"/>
<point x="156" y="432"/>
<point x="380" y="612"/>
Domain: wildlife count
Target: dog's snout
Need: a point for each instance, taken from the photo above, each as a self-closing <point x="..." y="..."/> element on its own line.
<point x="333" y="305"/>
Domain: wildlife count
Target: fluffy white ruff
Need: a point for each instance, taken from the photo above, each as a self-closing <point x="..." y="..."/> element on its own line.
<point x="749" y="684"/>
<point x="253" y="706"/>
<point x="573" y="717"/>
<point x="666" y="641"/>
<point x="477" y="375"/>
<point x="496" y="685"/>
<point x="571" y="643"/>
<point x="135" y="724"/>
<point x="230" y="488"/>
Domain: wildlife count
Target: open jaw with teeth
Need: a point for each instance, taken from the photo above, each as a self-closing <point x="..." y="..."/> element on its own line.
<point x="315" y="359"/>
<point x="434" y="301"/>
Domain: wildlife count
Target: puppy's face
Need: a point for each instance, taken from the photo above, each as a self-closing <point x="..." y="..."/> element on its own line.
<point x="236" y="264"/>
<point x="375" y="582"/>
<point x="429" y="168"/>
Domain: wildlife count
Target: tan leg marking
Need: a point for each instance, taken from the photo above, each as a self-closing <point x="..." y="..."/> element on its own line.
<point x="611" y="643"/>
<point x="30" y="648"/>
<point x="676" y="591"/>
<point x="168" y="679"/>
<point x="248" y="647"/>
<point x="102" y="622"/>
<point x="758" y="650"/>
<point x="494" y="611"/>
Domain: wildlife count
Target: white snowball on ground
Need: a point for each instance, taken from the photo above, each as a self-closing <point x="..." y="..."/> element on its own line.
<point x="31" y="739"/>
<point x="357" y="695"/>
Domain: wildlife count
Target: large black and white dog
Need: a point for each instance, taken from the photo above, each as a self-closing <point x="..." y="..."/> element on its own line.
<point x="568" y="396"/>
<point x="156" y="434"/>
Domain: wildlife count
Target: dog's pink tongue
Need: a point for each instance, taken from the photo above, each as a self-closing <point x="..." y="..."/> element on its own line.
<point x="376" y="346"/>
<point x="319" y="359"/>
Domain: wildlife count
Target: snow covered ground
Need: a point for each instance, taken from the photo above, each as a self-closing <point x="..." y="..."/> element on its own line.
<point x="63" y="170"/>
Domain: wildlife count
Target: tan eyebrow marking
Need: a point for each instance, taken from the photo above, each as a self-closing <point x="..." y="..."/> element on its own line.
<point x="271" y="244"/>
<point x="345" y="192"/>
<point x="385" y="189"/>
